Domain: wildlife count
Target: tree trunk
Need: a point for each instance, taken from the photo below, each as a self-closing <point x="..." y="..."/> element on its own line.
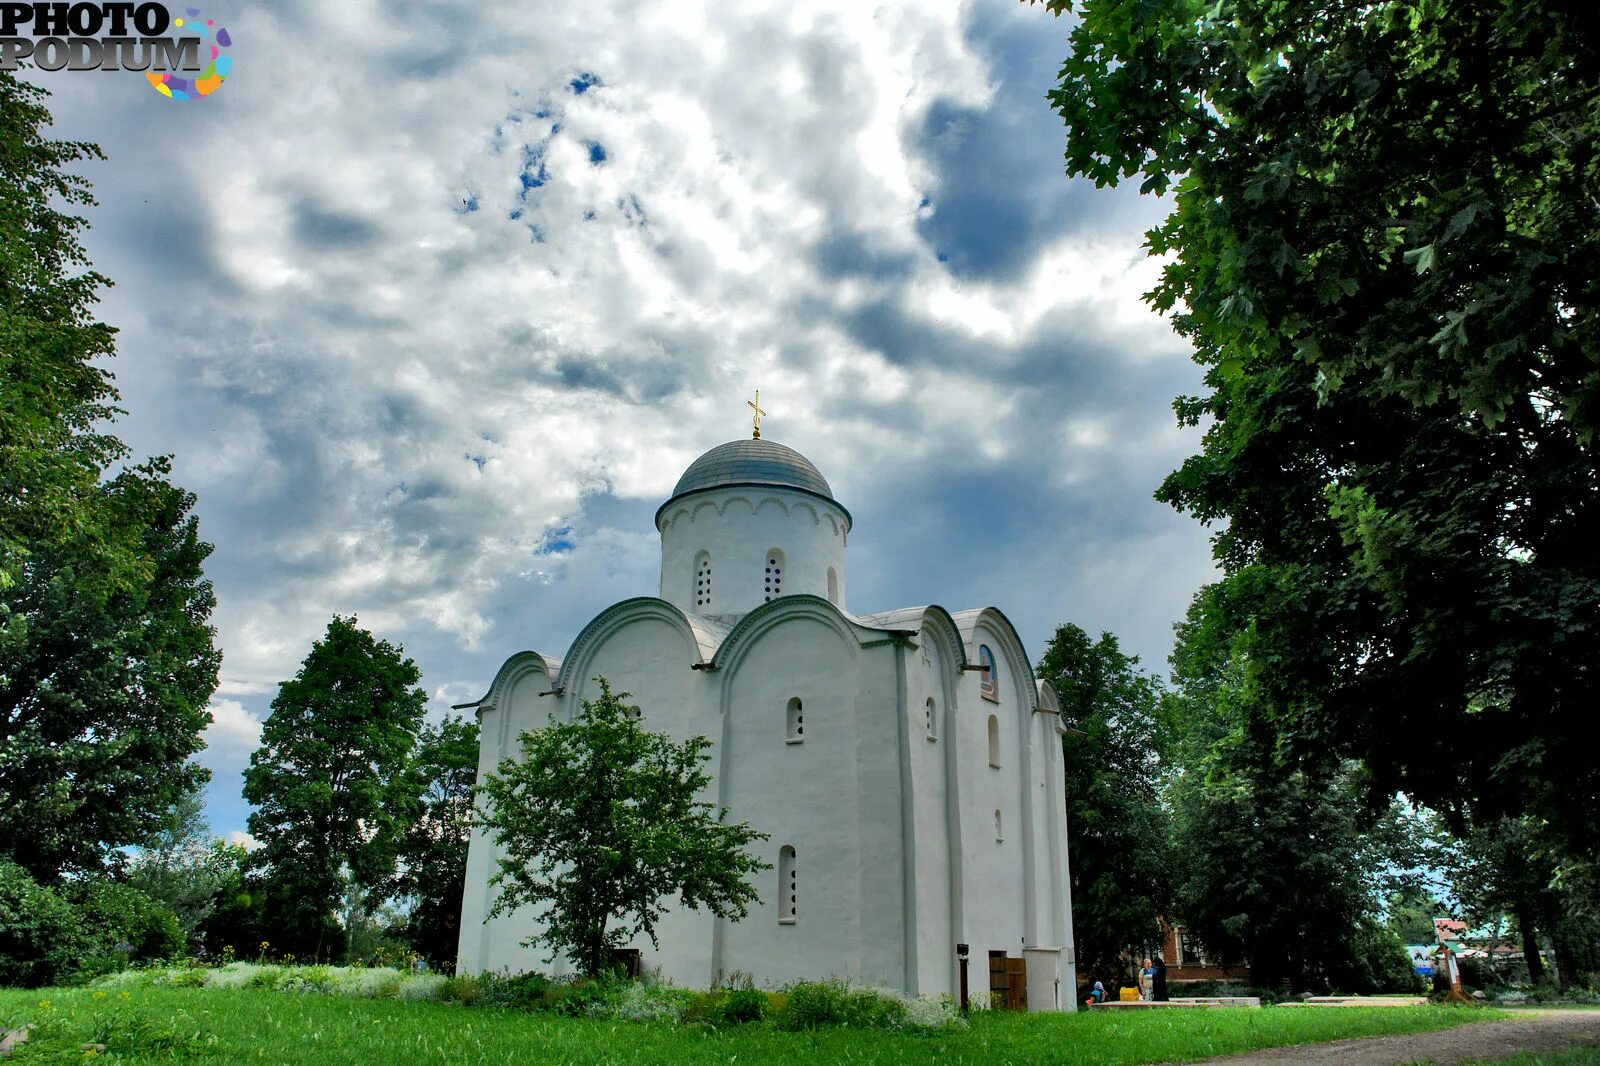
<point x="1530" y="946"/>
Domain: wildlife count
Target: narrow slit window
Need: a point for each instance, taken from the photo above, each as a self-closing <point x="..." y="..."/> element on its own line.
<point x="795" y="721"/>
<point x="994" y="740"/>
<point x="833" y="586"/>
<point x="932" y="724"/>
<point x="772" y="580"/>
<point x="702" y="580"/>
<point x="788" y="890"/>
<point x="998" y="834"/>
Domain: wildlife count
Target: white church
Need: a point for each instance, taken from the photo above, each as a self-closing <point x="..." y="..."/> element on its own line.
<point x="905" y="764"/>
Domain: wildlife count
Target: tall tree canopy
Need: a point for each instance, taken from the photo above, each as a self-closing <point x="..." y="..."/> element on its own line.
<point x="1117" y="826"/>
<point x="1275" y="865"/>
<point x="52" y="392"/>
<point x="1384" y="246"/>
<point x="328" y="781"/>
<point x="600" y="825"/>
<point x="104" y="679"/>
<point x="432" y="847"/>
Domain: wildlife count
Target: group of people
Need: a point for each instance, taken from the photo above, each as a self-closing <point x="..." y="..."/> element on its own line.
<point x="1152" y="983"/>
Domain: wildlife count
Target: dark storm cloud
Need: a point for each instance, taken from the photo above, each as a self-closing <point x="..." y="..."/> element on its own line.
<point x="325" y="228"/>
<point x="1001" y="193"/>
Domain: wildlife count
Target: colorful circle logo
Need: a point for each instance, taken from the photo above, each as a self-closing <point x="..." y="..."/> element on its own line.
<point x="216" y="71"/>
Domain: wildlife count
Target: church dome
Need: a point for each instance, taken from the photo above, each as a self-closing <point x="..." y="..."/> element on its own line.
<point x="752" y="462"/>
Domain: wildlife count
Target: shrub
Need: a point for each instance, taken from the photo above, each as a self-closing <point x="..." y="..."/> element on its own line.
<point x="420" y="986"/>
<point x="702" y="1007"/>
<point x="740" y="1006"/>
<point x="463" y="988"/>
<point x="523" y="991"/>
<point x="40" y="936"/>
<point x="110" y="915"/>
<point x="267" y="977"/>
<point x="639" y="1002"/>
<point x="833" y="1002"/>
<point x="581" y="997"/>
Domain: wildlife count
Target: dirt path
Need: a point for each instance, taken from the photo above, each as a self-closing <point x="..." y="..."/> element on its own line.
<point x="1534" y="1030"/>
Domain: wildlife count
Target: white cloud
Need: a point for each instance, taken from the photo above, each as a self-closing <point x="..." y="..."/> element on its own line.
<point x="232" y="735"/>
<point x="388" y="400"/>
<point x="241" y="838"/>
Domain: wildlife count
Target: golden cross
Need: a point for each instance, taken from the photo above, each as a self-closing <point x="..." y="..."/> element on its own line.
<point x="755" y="405"/>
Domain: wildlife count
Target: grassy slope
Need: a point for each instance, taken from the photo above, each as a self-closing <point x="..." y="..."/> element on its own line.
<point x="255" y="1026"/>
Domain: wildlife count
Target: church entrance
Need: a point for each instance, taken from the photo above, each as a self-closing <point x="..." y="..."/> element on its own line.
<point x="1008" y="981"/>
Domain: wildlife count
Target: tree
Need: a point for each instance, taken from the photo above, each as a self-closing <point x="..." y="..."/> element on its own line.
<point x="1512" y="869"/>
<point x="328" y="780"/>
<point x="1279" y="864"/>
<point x="53" y="393"/>
<point x="1117" y="827"/>
<point x="183" y="867"/>
<point x="104" y="681"/>
<point x="599" y="823"/>
<point x="433" y="844"/>
<point x="1384" y="247"/>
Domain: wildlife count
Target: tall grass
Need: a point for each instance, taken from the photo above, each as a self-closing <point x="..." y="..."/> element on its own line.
<point x="250" y="1025"/>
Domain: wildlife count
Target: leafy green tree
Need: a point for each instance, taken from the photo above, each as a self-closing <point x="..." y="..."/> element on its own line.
<point x="182" y="866"/>
<point x="53" y="393"/>
<point x="237" y="919"/>
<point x="1512" y="868"/>
<point x="433" y="843"/>
<point x="104" y="682"/>
<point x="599" y="824"/>
<point x="328" y="781"/>
<point x="41" y="939"/>
<point x="1279" y="864"/>
<point x="1384" y="247"/>
<point x="1118" y="829"/>
<point x="1410" y="913"/>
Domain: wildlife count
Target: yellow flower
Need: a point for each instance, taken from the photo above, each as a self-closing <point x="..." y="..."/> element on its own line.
<point x="98" y="996"/>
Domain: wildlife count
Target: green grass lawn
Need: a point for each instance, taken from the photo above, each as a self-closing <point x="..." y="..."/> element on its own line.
<point x="260" y="1026"/>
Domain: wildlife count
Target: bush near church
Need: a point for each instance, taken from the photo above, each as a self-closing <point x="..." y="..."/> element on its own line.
<point x="52" y="935"/>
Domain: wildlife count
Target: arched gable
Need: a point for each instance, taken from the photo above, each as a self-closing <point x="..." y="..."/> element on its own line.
<point x="799" y="605"/>
<point x="702" y="636"/>
<point x="1049" y="701"/>
<point x="936" y="624"/>
<point x="1011" y="648"/>
<point x="514" y="670"/>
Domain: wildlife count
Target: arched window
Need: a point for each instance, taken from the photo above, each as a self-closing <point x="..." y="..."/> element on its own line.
<point x="702" y="580"/>
<point x="772" y="586"/>
<point x="994" y="741"/>
<point x="998" y="835"/>
<point x="933" y="720"/>
<point x="795" y="720"/>
<point x="788" y="893"/>
<point x="988" y="683"/>
<point x="833" y="586"/>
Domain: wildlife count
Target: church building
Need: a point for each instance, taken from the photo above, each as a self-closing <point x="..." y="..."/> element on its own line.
<point x="906" y="764"/>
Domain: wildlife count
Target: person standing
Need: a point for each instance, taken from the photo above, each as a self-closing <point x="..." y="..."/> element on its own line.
<point x="1158" y="980"/>
<point x="1147" y="976"/>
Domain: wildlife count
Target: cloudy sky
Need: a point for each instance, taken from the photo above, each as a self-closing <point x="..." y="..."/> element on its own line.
<point x="433" y="302"/>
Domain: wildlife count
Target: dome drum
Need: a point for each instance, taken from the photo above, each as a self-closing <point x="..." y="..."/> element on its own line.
<point x="750" y="521"/>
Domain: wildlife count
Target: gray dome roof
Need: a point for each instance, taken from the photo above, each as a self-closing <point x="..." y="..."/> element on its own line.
<point x="753" y="462"/>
